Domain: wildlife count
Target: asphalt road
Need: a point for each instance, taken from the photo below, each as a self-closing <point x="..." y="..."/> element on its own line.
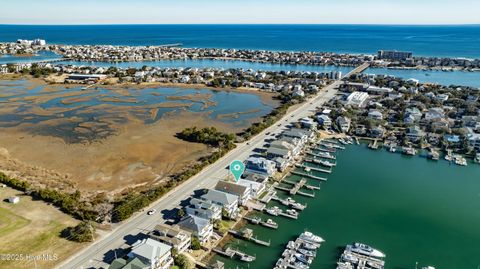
<point x="101" y="252"/>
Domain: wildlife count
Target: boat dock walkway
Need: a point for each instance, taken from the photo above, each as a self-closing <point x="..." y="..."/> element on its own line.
<point x="230" y="253"/>
<point x="290" y="203"/>
<point x="311" y="153"/>
<point x="308" y="175"/>
<point x="248" y="235"/>
<point x="259" y="221"/>
<point x="314" y="168"/>
<point x="320" y="162"/>
<point x="310" y="187"/>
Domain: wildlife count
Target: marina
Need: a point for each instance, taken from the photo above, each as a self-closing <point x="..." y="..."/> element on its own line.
<point x="382" y="217"/>
<point x="299" y="254"/>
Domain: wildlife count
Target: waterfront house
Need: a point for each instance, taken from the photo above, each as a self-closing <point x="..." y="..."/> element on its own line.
<point x="281" y="164"/>
<point x="275" y="152"/>
<point x="256" y="188"/>
<point x="307" y="123"/>
<point x="204" y="209"/>
<point x="414" y="134"/>
<point x="324" y="121"/>
<point x="343" y="124"/>
<point x="377" y="132"/>
<point x="199" y="227"/>
<point x="288" y="143"/>
<point x="85" y="78"/>
<point x="153" y="253"/>
<point x="172" y="236"/>
<point x="260" y="165"/>
<point x="262" y="179"/>
<point x="302" y="134"/>
<point x="244" y="193"/>
<point x="227" y="201"/>
<point x="473" y="140"/>
<point x="453" y="140"/>
<point x="122" y="263"/>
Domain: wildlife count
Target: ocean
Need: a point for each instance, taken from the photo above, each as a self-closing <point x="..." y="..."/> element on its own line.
<point x="442" y="41"/>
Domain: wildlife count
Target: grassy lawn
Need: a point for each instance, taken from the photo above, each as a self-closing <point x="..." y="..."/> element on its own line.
<point x="225" y="225"/>
<point x="33" y="228"/>
<point x="9" y="222"/>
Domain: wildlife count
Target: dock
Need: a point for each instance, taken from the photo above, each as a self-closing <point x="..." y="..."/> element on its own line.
<point x="320" y="162"/>
<point x="290" y="202"/>
<point x="230" y="253"/>
<point x="331" y="145"/>
<point x="308" y="175"/>
<point x="259" y="221"/>
<point x="311" y="153"/>
<point x="288" y="258"/>
<point x="314" y="168"/>
<point x="310" y="187"/>
<point x="247" y="234"/>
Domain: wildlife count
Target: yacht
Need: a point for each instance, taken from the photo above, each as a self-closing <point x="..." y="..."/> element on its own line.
<point x="325" y="155"/>
<point x="309" y="253"/>
<point x="428" y="267"/>
<point x="246" y="258"/>
<point x="303" y="258"/>
<point x="291" y="245"/>
<point x="409" y="151"/>
<point x="301" y="265"/>
<point x="271" y="224"/>
<point x="348" y="257"/>
<point x="310" y="246"/>
<point x="392" y="149"/>
<point x="326" y="163"/>
<point x="292" y="212"/>
<point x="477" y="158"/>
<point x="273" y="210"/>
<point x="344" y="265"/>
<point x="365" y="250"/>
<point x="459" y="160"/>
<point x="309" y="237"/>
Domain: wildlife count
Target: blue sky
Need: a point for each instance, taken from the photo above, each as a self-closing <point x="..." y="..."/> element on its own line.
<point x="244" y="11"/>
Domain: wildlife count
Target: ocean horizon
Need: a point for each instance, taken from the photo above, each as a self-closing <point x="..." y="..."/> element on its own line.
<point x="422" y="40"/>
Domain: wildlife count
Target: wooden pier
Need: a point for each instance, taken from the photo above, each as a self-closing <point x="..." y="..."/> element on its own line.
<point x="310" y="187"/>
<point x="314" y="168"/>
<point x="311" y="153"/>
<point x="259" y="221"/>
<point x="308" y="175"/>
<point x="247" y="234"/>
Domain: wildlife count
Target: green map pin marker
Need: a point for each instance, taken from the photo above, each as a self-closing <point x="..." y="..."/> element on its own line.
<point x="237" y="168"/>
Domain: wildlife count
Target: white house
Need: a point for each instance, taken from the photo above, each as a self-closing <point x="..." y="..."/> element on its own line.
<point x="153" y="253"/>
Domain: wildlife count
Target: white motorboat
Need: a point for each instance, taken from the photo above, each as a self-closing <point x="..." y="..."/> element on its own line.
<point x="310" y="246"/>
<point x="310" y="237"/>
<point x="308" y="253"/>
<point x="303" y="258"/>
<point x="366" y="250"/>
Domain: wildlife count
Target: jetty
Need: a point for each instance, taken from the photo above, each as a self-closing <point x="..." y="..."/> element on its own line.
<point x="247" y="234"/>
